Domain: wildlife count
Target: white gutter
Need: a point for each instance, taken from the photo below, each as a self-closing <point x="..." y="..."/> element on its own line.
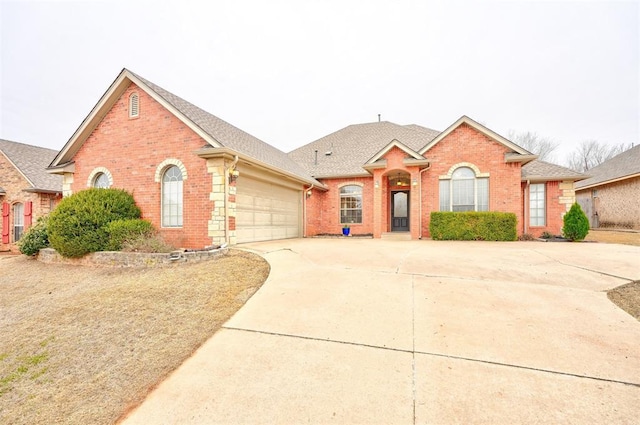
<point x="420" y="195"/>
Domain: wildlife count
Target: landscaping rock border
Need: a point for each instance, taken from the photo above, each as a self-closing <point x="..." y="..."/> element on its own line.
<point x="131" y="259"/>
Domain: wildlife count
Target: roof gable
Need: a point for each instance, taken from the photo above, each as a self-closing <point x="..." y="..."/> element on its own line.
<point x="31" y="162"/>
<point x="480" y="128"/>
<point x="215" y="131"/>
<point x="395" y="144"/>
<point x="344" y="152"/>
<point x="622" y="166"/>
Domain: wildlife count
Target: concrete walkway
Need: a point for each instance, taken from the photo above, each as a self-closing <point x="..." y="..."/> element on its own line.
<point x="402" y="332"/>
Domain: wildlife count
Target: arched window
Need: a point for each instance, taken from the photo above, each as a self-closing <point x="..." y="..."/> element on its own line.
<point x="18" y="221"/>
<point x="350" y="204"/>
<point x="172" y="197"/>
<point x="134" y="105"/>
<point x="100" y="181"/>
<point x="464" y="192"/>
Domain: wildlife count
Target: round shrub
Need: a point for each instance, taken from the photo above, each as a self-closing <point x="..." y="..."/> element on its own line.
<point x="128" y="231"/>
<point x="78" y="225"/>
<point x="36" y="238"/>
<point x="576" y="224"/>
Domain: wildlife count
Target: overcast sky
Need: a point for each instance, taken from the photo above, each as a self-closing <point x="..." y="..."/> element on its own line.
<point x="290" y="72"/>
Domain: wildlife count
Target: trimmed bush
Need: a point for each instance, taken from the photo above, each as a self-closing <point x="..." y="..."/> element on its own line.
<point x="576" y="224"/>
<point x="36" y="238"/>
<point x="78" y="225"/>
<point x="473" y="226"/>
<point x="123" y="232"/>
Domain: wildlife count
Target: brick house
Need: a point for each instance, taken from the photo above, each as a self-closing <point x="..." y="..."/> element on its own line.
<point x="383" y="177"/>
<point x="611" y="195"/>
<point x="27" y="191"/>
<point x="203" y="182"/>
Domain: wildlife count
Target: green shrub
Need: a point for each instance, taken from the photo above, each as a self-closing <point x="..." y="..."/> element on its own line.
<point x="473" y="226"/>
<point x="576" y="224"/>
<point x="78" y="225"/>
<point x="123" y="232"/>
<point x="36" y="238"/>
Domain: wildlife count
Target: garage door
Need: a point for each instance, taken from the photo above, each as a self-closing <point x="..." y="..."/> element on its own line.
<point x="266" y="211"/>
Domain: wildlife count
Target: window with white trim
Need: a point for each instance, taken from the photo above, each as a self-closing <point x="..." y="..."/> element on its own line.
<point x="134" y="105"/>
<point x="350" y="204"/>
<point x="172" y="197"/>
<point x="537" y="204"/>
<point x="100" y="181"/>
<point x="464" y="191"/>
<point x="18" y="221"/>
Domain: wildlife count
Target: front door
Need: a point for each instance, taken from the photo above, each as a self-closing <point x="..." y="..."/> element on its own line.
<point x="400" y="211"/>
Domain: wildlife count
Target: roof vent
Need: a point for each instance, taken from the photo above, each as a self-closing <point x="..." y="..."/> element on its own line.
<point x="134" y="105"/>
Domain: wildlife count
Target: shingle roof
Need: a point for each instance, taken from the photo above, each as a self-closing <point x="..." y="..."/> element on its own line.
<point x="32" y="162"/>
<point x="541" y="170"/>
<point x="230" y="136"/>
<point x="625" y="164"/>
<point x="354" y="145"/>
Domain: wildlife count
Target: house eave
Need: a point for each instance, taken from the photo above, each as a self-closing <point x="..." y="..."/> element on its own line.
<point x="47" y="191"/>
<point x="226" y="153"/>
<point x="380" y="163"/>
<point x="67" y="167"/>
<point x="536" y="179"/>
<point x="602" y="183"/>
<point x="523" y="159"/>
<point x="416" y="162"/>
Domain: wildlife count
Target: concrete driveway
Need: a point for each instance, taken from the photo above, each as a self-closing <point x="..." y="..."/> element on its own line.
<point x="402" y="332"/>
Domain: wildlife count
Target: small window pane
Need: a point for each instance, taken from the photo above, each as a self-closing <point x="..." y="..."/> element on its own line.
<point x="445" y="198"/>
<point x="483" y="194"/>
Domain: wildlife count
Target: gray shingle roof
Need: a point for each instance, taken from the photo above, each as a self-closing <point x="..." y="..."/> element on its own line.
<point x="541" y="170"/>
<point x="32" y="162"/>
<point x="354" y="145"/>
<point x="625" y="164"/>
<point x="230" y="136"/>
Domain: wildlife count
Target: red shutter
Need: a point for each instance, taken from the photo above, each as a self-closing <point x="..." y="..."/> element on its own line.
<point x="28" y="216"/>
<point x="5" y="222"/>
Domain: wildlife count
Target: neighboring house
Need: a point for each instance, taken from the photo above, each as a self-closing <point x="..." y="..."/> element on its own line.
<point x="383" y="177"/>
<point x="27" y="191"/>
<point x="611" y="196"/>
<point x="204" y="182"/>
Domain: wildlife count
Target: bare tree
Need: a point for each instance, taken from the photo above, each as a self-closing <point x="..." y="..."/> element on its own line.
<point x="591" y="153"/>
<point x="534" y="143"/>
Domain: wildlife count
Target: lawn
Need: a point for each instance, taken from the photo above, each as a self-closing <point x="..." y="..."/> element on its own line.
<point x="82" y="345"/>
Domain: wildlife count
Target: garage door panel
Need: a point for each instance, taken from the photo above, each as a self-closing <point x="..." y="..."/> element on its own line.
<point x="266" y="211"/>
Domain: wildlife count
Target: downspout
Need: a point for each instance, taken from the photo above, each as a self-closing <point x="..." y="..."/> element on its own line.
<point x="227" y="236"/>
<point x="524" y="207"/>
<point x="304" y="210"/>
<point x="420" y="196"/>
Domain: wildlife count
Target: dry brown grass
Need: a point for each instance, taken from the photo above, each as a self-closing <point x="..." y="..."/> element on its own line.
<point x="627" y="297"/>
<point x="83" y="345"/>
<point x="613" y="236"/>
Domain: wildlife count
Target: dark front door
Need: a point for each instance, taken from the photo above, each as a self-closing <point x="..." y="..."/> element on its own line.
<point x="400" y="212"/>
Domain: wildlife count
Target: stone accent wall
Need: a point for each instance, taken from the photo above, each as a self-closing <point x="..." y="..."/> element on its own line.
<point x="130" y="259"/>
<point x="221" y="224"/>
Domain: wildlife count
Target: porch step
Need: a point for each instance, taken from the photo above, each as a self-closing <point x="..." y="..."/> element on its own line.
<point x="396" y="236"/>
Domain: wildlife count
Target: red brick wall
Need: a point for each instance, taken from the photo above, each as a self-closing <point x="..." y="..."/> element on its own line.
<point x="132" y="149"/>
<point x="323" y="208"/>
<point x="14" y="184"/>
<point x="465" y="144"/>
<point x="554" y="211"/>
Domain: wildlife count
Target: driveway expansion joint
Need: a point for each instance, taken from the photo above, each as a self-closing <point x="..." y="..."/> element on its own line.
<point x="413" y="353"/>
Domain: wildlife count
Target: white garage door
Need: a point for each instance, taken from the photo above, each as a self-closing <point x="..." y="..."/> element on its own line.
<point x="266" y="211"/>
